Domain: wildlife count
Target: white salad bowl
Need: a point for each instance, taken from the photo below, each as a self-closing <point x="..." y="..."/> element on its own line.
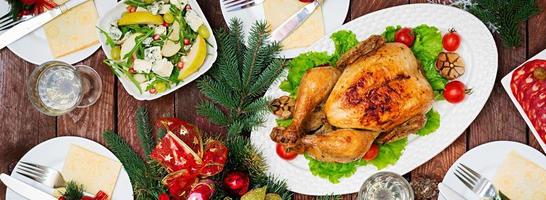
<point x="114" y="14"/>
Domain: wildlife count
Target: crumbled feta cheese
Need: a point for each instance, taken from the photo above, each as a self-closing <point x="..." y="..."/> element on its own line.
<point x="163" y="67"/>
<point x="187" y="47"/>
<point x="140" y="78"/>
<point x="152" y="54"/>
<point x="147" y="41"/>
<point x="141" y="9"/>
<point x="142" y="66"/>
<point x="114" y="32"/>
<point x="177" y="3"/>
<point x="154" y="8"/>
<point x="193" y="20"/>
<point x="160" y="30"/>
<point x="164" y="8"/>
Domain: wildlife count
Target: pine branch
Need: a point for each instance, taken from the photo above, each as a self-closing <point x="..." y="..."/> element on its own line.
<point x="144" y="130"/>
<point x="132" y="163"/>
<point x="217" y="92"/>
<point x="73" y="191"/>
<point x="213" y="113"/>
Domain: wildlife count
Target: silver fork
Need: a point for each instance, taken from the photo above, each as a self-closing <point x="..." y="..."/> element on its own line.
<point x="8" y="21"/>
<point x="234" y="5"/>
<point x="476" y="182"/>
<point x="42" y="174"/>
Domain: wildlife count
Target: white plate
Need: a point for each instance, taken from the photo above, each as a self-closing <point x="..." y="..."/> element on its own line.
<point x="495" y="152"/>
<point x="115" y="14"/>
<point x="333" y="11"/>
<point x="477" y="49"/>
<point x="53" y="152"/>
<point x="35" y="49"/>
<point x="506" y="84"/>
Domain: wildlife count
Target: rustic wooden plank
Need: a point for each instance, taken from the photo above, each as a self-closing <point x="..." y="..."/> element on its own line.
<point x="499" y="120"/>
<point x="126" y="109"/>
<point x="537" y="43"/>
<point x="22" y="125"/>
<point x="90" y="122"/>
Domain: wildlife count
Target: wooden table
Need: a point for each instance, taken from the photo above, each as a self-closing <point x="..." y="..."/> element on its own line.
<point x="23" y="127"/>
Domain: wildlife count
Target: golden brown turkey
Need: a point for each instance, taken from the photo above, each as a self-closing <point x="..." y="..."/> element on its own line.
<point x="376" y="93"/>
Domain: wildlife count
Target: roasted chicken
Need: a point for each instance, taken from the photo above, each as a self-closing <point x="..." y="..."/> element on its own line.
<point x="380" y="95"/>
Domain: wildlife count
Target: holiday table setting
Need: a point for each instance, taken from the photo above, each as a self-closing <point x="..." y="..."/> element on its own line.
<point x="272" y="99"/>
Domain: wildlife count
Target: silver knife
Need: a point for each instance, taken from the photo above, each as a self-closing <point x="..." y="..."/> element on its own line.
<point x="287" y="27"/>
<point x="24" y="189"/>
<point x="449" y="193"/>
<point x="36" y="22"/>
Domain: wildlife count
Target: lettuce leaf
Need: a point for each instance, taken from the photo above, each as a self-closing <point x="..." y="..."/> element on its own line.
<point x="432" y="75"/>
<point x="283" y="122"/>
<point x="390" y="32"/>
<point x="433" y="123"/>
<point x="388" y="154"/>
<point x="428" y="42"/>
<point x="343" y="40"/>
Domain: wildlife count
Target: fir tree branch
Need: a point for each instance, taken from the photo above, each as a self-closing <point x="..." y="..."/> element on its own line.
<point x="144" y="130"/>
<point x="132" y="163"/>
<point x="213" y="113"/>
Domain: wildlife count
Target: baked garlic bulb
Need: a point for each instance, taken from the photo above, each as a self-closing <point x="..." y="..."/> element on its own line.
<point x="450" y="65"/>
<point x="282" y="107"/>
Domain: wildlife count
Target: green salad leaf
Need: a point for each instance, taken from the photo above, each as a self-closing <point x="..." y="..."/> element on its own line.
<point x="283" y="122"/>
<point x="390" y="32"/>
<point x="433" y="123"/>
<point x="388" y="154"/>
<point x="343" y="40"/>
<point x="299" y="65"/>
<point x="428" y="42"/>
<point x="433" y="76"/>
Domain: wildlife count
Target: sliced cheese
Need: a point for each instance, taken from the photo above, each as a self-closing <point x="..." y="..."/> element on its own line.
<point x="520" y="179"/>
<point x="72" y="31"/>
<point x="278" y="11"/>
<point x="95" y="172"/>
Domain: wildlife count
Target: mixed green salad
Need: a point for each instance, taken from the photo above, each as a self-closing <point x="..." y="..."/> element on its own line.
<point x="156" y="44"/>
<point x="426" y="47"/>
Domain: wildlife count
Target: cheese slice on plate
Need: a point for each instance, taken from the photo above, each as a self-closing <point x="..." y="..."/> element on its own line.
<point x="278" y="11"/>
<point x="520" y="179"/>
<point x="73" y="30"/>
<point x="95" y="172"/>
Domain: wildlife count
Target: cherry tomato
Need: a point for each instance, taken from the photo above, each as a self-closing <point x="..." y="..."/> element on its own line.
<point x="405" y="36"/>
<point x="180" y="65"/>
<point x="372" y="153"/>
<point x="284" y="154"/>
<point x="186" y="41"/>
<point x="132" y="70"/>
<point x="152" y="91"/>
<point x="188" y="7"/>
<point x="451" y="40"/>
<point x="454" y="92"/>
<point x="131" y="9"/>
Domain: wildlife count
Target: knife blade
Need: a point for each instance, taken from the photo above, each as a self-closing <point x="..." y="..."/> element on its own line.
<point x="287" y="27"/>
<point x="24" y="189"/>
<point x="449" y="193"/>
<point x="26" y="27"/>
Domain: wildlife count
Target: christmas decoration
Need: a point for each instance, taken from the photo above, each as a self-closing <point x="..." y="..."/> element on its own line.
<point x="501" y="17"/>
<point x="236" y="183"/>
<point x="74" y="191"/>
<point x="19" y="8"/>
<point x="255" y="194"/>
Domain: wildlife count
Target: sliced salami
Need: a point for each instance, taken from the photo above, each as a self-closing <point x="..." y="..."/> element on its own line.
<point x="530" y="92"/>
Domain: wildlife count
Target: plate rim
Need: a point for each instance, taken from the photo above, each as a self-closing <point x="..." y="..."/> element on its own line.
<point x="122" y="172"/>
<point x="486" y="89"/>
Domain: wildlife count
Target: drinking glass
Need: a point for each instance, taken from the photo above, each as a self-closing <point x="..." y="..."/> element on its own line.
<point x="386" y="186"/>
<point x="56" y="87"/>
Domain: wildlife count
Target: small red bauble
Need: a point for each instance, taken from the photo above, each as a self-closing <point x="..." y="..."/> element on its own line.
<point x="163" y="196"/>
<point x="236" y="183"/>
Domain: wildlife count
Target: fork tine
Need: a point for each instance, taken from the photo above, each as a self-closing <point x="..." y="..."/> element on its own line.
<point x="5" y="16"/>
<point x="35" y="165"/>
<point x="476" y="174"/>
<point x="10" y="25"/>
<point x="226" y="2"/>
<point x="468" y="174"/>
<point x="242" y="7"/>
<point x="30" y="167"/>
<point x="239" y="3"/>
<point x="464" y="181"/>
<point x="469" y="179"/>
<point x="30" y="175"/>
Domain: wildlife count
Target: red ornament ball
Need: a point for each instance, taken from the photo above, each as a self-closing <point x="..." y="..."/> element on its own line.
<point x="28" y="2"/>
<point x="236" y="183"/>
<point x="164" y="196"/>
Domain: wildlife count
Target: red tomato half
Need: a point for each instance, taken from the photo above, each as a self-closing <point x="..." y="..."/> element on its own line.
<point x="284" y="154"/>
<point x="454" y="92"/>
<point x="372" y="153"/>
<point x="405" y="36"/>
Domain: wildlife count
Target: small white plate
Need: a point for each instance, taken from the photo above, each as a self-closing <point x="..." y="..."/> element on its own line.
<point x="115" y="14"/>
<point x="486" y="159"/>
<point x="53" y="152"/>
<point x="506" y="84"/>
<point x="35" y="49"/>
<point x="333" y="11"/>
<point x="479" y="52"/>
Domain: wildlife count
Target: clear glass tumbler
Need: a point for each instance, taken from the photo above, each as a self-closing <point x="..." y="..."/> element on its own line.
<point x="386" y="186"/>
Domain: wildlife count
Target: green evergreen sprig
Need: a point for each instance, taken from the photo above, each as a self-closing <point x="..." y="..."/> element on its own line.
<point x="504" y="16"/>
<point x="73" y="191"/>
<point x="239" y="77"/>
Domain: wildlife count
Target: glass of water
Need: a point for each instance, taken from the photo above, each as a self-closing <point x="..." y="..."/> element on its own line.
<point x="56" y="87"/>
<point x="386" y="186"/>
